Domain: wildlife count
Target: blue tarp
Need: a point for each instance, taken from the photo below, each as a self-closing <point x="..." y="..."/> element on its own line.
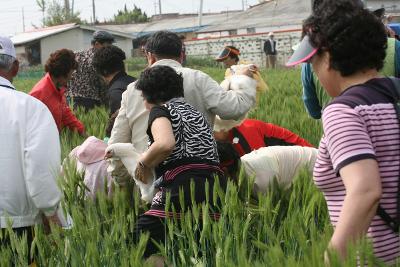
<point x="395" y="27"/>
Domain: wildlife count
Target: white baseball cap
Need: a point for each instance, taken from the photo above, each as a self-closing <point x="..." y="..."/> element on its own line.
<point x="303" y="52"/>
<point x="7" y="47"/>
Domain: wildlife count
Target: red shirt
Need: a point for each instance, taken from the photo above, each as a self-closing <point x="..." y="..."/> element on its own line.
<point x="55" y="100"/>
<point x="259" y="134"/>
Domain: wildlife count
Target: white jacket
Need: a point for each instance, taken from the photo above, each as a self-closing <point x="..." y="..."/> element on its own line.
<point x="200" y="90"/>
<point x="281" y="162"/>
<point x="29" y="159"/>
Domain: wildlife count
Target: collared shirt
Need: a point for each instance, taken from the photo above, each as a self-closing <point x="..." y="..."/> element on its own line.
<point x="200" y="90"/>
<point x="29" y="158"/>
<point x="85" y="82"/>
<point x="54" y="99"/>
<point x="6" y="83"/>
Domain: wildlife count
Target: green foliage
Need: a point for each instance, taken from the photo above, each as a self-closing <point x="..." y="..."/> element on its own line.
<point x="57" y="15"/>
<point x="285" y="227"/>
<point x="126" y="16"/>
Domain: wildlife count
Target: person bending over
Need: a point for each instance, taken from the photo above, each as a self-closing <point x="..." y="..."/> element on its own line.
<point x="50" y="89"/>
<point x="182" y="150"/>
<point x="267" y="163"/>
<point x="253" y="134"/>
<point x="201" y="91"/>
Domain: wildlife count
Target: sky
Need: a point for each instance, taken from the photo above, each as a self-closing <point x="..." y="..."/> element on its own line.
<point x="11" y="19"/>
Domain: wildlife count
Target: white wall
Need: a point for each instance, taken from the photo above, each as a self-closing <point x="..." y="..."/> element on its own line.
<point x="71" y="39"/>
<point x="77" y="39"/>
<point x="250" y="46"/>
<point x="389" y="5"/>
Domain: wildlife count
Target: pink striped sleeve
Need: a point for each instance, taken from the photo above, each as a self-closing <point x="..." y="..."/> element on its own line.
<point x="346" y="136"/>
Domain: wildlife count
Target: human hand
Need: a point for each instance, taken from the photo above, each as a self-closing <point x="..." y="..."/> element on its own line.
<point x="248" y="70"/>
<point x="142" y="172"/>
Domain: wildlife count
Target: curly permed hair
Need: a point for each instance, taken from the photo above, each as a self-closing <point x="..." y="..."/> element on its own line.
<point x="108" y="60"/>
<point x="353" y="36"/>
<point x="160" y="84"/>
<point x="60" y="63"/>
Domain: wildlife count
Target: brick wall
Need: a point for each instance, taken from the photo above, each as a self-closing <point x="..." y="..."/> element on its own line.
<point x="250" y="46"/>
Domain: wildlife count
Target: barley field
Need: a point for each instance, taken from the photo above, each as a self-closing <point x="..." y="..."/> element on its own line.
<point x="286" y="227"/>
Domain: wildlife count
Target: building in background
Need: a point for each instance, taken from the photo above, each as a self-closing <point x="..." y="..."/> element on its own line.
<point x="34" y="47"/>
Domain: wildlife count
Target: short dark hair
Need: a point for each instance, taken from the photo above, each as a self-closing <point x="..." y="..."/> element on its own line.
<point x="164" y="44"/>
<point x="108" y="60"/>
<point x="229" y="159"/>
<point x="160" y="84"/>
<point x="353" y="36"/>
<point x="60" y="63"/>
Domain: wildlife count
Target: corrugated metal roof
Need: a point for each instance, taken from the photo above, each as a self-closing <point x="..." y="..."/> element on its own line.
<point x="278" y="14"/>
<point x="41" y="33"/>
<point x="179" y="24"/>
<point x="36" y="34"/>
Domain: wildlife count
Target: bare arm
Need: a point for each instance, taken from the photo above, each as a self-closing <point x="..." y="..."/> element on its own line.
<point x="162" y="147"/>
<point x="164" y="143"/>
<point x="363" y="192"/>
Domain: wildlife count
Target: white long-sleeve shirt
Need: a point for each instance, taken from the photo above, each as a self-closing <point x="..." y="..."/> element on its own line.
<point x="29" y="159"/>
<point x="200" y="90"/>
<point x="281" y="162"/>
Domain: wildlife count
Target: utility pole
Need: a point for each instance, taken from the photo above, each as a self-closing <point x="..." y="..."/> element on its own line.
<point x="155" y="8"/>
<point x="23" y="20"/>
<point x="72" y="7"/>
<point x="159" y="6"/>
<point x="200" y="12"/>
<point x="242" y="5"/>
<point x="66" y="6"/>
<point x="94" y="12"/>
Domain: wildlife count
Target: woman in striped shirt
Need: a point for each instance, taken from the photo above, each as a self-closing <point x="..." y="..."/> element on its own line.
<point x="358" y="163"/>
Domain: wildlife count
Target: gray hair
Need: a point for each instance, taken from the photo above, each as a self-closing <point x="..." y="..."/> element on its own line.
<point x="6" y="62"/>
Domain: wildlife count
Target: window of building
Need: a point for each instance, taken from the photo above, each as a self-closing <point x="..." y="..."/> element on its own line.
<point x="251" y="30"/>
<point x="232" y="32"/>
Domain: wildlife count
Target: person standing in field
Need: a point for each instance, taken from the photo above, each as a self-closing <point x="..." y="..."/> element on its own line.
<point x="315" y="97"/>
<point x="358" y="162"/>
<point x="200" y="90"/>
<point x="29" y="156"/>
<point x="50" y="90"/>
<point x="229" y="56"/>
<point x="86" y="88"/>
<point x="270" y="51"/>
<point x="109" y="63"/>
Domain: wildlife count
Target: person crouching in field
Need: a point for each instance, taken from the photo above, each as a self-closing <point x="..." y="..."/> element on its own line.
<point x="182" y="150"/>
<point x="50" y="89"/>
<point x="357" y="167"/>
<point x="264" y="164"/>
<point x="250" y="134"/>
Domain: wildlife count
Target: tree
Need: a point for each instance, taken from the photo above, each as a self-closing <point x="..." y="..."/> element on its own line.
<point x="42" y="6"/>
<point x="58" y="14"/>
<point x="129" y="16"/>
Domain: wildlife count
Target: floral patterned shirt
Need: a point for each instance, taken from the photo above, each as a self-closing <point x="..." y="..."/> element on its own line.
<point x="85" y="82"/>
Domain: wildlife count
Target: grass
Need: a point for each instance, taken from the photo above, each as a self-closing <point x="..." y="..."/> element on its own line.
<point x="286" y="227"/>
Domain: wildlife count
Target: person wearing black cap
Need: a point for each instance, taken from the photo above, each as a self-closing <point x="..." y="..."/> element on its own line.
<point x="86" y="88"/>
